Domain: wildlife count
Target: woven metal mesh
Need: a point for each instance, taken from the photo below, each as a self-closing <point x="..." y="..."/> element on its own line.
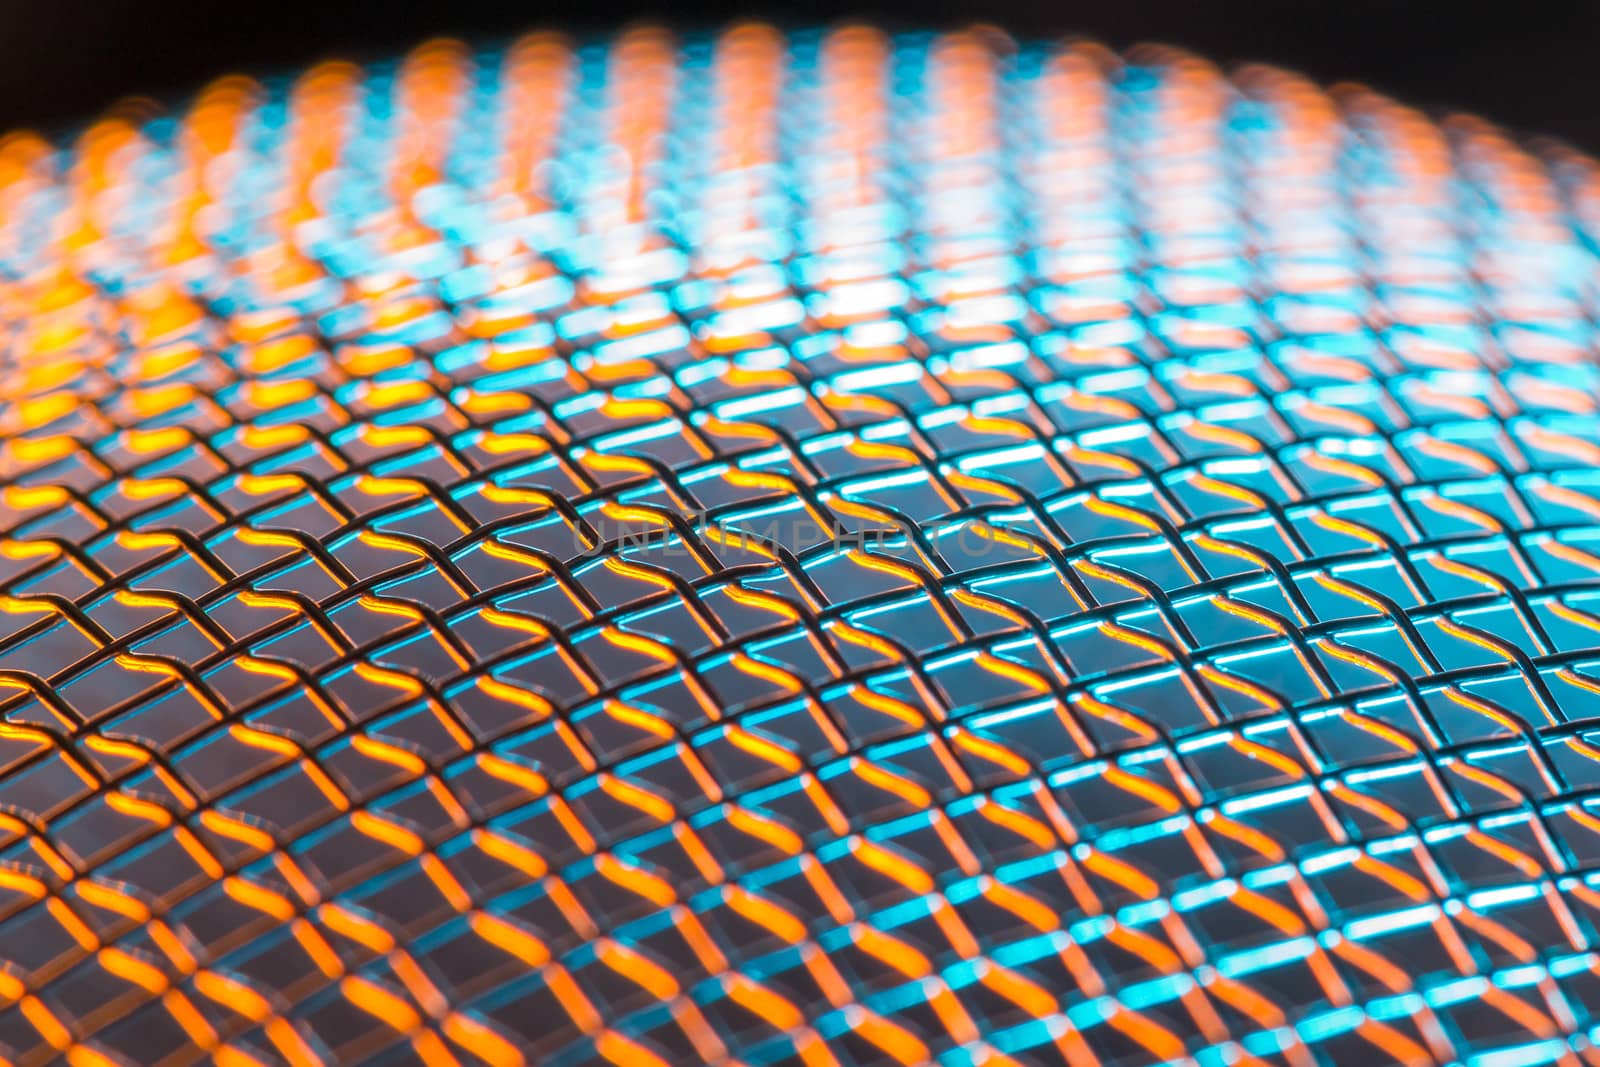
<point x="830" y="549"/>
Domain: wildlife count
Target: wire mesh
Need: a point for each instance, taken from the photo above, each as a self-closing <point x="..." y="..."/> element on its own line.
<point x="825" y="548"/>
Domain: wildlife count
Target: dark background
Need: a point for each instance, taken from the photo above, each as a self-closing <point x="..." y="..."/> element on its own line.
<point x="1535" y="70"/>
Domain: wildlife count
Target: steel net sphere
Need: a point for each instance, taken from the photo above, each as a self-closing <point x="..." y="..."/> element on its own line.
<point x="823" y="548"/>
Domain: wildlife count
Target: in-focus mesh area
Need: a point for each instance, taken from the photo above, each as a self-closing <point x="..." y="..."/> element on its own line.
<point x="823" y="549"/>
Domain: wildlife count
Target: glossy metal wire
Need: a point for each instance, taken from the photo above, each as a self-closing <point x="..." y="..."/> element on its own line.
<point x="827" y="548"/>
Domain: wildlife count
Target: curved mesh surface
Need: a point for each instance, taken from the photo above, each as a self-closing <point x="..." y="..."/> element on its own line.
<point x="826" y="549"/>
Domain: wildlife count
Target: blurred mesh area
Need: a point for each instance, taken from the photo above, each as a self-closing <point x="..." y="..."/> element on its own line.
<point x="829" y="549"/>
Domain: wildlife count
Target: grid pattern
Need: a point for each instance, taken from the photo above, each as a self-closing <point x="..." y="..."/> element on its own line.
<point x="826" y="549"/>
